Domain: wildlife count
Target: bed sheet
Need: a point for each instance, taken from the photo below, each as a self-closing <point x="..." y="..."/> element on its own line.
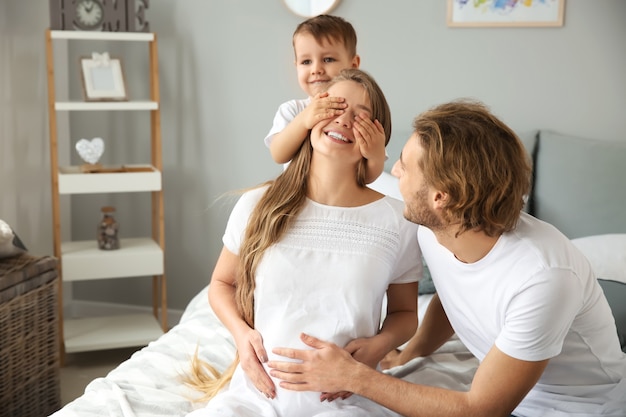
<point x="149" y="383"/>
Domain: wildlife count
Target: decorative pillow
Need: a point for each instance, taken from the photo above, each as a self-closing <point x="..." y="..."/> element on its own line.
<point x="607" y="254"/>
<point x="426" y="285"/>
<point x="387" y="184"/>
<point x="529" y="140"/>
<point x="615" y="293"/>
<point x="579" y="184"/>
<point x="10" y="243"/>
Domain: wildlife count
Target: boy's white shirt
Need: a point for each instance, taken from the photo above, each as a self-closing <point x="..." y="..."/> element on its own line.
<point x="284" y="115"/>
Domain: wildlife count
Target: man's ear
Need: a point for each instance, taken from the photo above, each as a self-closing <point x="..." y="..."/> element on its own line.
<point x="440" y="199"/>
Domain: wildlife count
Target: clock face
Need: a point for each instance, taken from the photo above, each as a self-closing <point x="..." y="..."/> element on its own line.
<point x="89" y="14"/>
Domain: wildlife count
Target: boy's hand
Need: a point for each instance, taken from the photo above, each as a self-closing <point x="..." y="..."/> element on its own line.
<point x="322" y="107"/>
<point x="371" y="137"/>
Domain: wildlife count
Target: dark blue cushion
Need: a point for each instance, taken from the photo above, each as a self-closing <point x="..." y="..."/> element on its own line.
<point x="426" y="285"/>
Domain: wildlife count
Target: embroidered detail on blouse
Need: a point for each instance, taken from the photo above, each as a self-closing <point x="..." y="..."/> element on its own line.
<point x="340" y="236"/>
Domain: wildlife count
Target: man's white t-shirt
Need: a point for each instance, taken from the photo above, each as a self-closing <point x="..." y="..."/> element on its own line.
<point x="535" y="297"/>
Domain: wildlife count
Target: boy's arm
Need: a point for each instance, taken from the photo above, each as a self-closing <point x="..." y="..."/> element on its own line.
<point x="284" y="144"/>
<point x="371" y="139"/>
<point x="375" y="167"/>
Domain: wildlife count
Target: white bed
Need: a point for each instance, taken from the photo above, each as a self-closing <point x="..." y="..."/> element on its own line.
<point x="148" y="384"/>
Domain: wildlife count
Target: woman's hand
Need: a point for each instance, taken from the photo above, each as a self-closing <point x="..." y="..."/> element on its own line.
<point x="364" y="350"/>
<point x="393" y="359"/>
<point x="252" y="356"/>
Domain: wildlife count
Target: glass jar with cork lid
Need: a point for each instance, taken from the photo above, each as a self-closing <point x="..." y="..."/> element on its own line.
<point x="108" y="229"/>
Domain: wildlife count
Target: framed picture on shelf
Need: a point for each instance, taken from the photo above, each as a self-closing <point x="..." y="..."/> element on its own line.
<point x="496" y="13"/>
<point x="103" y="78"/>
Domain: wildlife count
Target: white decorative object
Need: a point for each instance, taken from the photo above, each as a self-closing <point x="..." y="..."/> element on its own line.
<point x="607" y="254"/>
<point x="10" y="244"/>
<point x="101" y="60"/>
<point x="90" y="150"/>
<point x="103" y="78"/>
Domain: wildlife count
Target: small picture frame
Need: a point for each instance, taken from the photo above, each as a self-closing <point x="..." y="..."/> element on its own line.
<point x="103" y="78"/>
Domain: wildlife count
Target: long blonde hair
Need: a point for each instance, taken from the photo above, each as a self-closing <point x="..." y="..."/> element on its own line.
<point x="273" y="215"/>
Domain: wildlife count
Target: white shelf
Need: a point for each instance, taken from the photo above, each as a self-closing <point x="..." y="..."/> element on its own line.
<point x="73" y="181"/>
<point x="105" y="105"/>
<point x="82" y="260"/>
<point x="102" y="36"/>
<point x="99" y="333"/>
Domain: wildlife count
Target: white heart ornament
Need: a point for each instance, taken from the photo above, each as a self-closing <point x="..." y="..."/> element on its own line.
<point x="90" y="150"/>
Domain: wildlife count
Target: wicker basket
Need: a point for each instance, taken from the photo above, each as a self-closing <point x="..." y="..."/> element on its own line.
<point x="29" y="337"/>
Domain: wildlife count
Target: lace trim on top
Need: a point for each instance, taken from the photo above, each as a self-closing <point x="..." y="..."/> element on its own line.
<point x="340" y="236"/>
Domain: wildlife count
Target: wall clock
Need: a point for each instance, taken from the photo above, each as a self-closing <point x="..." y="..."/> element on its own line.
<point x="310" y="8"/>
<point x="89" y="14"/>
<point x="99" y="15"/>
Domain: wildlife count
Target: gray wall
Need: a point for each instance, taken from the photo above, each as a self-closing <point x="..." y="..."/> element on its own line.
<point x="226" y="65"/>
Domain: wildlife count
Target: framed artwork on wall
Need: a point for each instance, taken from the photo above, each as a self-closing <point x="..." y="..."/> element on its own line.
<point x="499" y="13"/>
<point x="103" y="79"/>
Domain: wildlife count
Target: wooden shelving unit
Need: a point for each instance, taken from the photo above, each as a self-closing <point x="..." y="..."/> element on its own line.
<point x="82" y="260"/>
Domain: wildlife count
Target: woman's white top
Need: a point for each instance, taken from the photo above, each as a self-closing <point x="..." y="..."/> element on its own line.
<point x="327" y="277"/>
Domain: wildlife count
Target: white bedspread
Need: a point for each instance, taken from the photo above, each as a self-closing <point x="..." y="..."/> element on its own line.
<point x="149" y="383"/>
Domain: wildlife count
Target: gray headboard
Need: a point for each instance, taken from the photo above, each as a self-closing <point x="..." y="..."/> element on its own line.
<point x="580" y="184"/>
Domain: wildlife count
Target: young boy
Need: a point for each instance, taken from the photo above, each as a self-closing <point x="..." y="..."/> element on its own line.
<point x="323" y="46"/>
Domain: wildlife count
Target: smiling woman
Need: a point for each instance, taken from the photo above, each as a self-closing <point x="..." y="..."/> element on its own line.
<point x="314" y="250"/>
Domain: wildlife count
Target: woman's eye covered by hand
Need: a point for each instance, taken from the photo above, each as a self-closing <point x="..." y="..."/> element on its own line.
<point x="363" y="116"/>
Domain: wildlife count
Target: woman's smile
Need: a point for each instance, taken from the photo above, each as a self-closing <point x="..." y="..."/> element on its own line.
<point x="338" y="137"/>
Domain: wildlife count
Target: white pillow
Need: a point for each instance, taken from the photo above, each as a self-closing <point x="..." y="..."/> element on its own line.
<point x="387" y="184"/>
<point x="10" y="243"/>
<point x="607" y="254"/>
